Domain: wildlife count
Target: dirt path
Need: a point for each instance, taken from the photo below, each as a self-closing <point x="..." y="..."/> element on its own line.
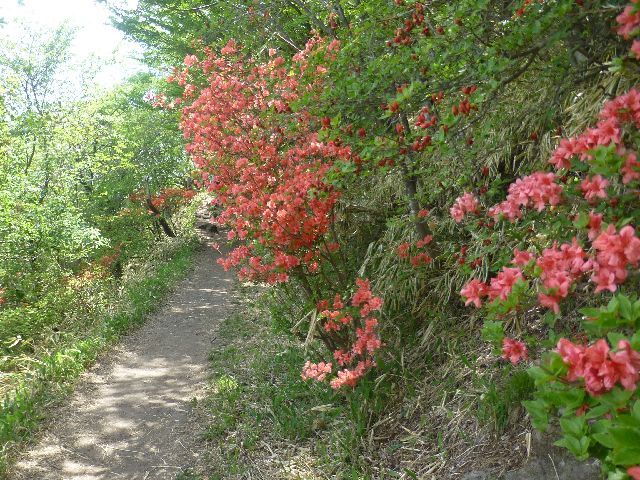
<point x="129" y="417"/>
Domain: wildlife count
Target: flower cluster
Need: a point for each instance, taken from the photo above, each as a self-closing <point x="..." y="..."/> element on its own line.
<point x="502" y="284"/>
<point x="421" y="257"/>
<point x="599" y="367"/>
<point x="608" y="131"/>
<point x="536" y="190"/>
<point x="614" y="252"/>
<point x="594" y="187"/>
<point x="358" y="344"/>
<point x="560" y="267"/>
<point x="364" y="299"/>
<point x="514" y="350"/>
<point x="316" y="371"/>
<point x="499" y="287"/>
<point x="467" y="203"/>
<point x="265" y="162"/>
<point x="628" y="21"/>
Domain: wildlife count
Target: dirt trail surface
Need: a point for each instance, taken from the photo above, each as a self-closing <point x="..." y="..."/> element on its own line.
<point x="130" y="415"/>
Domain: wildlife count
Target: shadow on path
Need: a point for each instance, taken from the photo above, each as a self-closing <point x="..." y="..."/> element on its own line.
<point x="129" y="417"/>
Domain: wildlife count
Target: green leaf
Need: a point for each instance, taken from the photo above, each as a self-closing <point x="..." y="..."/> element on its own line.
<point x="603" y="439"/>
<point x="625" y="436"/>
<point x="635" y="411"/>
<point x="597" y="412"/>
<point x="627" y="456"/>
<point x="617" y="475"/>
<point x="615" y="337"/>
<point x="539" y="375"/>
<point x="626" y="308"/>
<point x="553" y="363"/>
<point x="539" y="412"/>
<point x="574" y="426"/>
<point x="616" y="398"/>
<point x="577" y="446"/>
<point x="582" y="220"/>
<point x="493" y="332"/>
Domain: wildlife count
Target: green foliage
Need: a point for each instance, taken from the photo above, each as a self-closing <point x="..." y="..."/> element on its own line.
<point x="51" y="377"/>
<point x="500" y="404"/>
<point x="78" y="171"/>
<point x="541" y="73"/>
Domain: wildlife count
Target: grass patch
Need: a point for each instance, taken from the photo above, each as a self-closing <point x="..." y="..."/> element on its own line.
<point x="53" y="374"/>
<point x="501" y="404"/>
<point x="261" y="420"/>
<point x="260" y="415"/>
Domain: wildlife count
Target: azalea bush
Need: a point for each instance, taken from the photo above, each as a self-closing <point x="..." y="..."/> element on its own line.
<point x="270" y="170"/>
<point x="409" y="150"/>
<point x="581" y="245"/>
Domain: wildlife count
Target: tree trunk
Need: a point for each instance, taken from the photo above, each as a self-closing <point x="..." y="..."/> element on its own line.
<point x="166" y="228"/>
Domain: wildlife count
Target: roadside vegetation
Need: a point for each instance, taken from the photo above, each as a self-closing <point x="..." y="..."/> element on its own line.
<point x="96" y="224"/>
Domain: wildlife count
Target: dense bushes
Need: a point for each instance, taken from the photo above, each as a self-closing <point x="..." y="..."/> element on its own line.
<point x="374" y="153"/>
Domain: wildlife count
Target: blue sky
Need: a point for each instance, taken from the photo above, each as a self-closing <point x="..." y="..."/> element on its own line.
<point x="95" y="37"/>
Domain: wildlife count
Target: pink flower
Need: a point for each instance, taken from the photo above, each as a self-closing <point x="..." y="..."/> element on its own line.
<point x="559" y="268"/>
<point x="316" y="371"/>
<point x="557" y="286"/>
<point x="521" y="258"/>
<point x="364" y="299"/>
<point x="595" y="225"/>
<point x="634" y="472"/>
<point x="630" y="244"/>
<point x="420" y="259"/>
<point x="513" y="350"/>
<point x="572" y="355"/>
<point x="629" y="21"/>
<point x="501" y="285"/>
<point x="467" y="203"/>
<point x="337" y="302"/>
<point x="403" y="250"/>
<point x="627" y="364"/>
<point x="631" y="168"/>
<point x="349" y="378"/>
<point x="425" y="241"/>
<point x="190" y="60"/>
<point x="510" y="210"/>
<point x="614" y="253"/>
<point x="561" y="157"/>
<point x="342" y="358"/>
<point x="594" y="187"/>
<point x="604" y="279"/>
<point x="229" y="48"/>
<point x="600" y="368"/>
<point x="606" y="132"/>
<point x="473" y="292"/>
<point x="599" y="372"/>
<point x="536" y="190"/>
<point x="635" y="49"/>
<point x="423" y="213"/>
<point x="367" y="340"/>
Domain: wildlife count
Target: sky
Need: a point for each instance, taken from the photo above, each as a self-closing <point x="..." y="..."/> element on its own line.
<point x="95" y="37"/>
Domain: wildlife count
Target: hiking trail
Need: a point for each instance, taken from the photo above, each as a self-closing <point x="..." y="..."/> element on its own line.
<point x="129" y="416"/>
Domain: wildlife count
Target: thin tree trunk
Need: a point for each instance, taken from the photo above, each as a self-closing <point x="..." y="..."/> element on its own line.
<point x="166" y="228"/>
<point x="411" y="184"/>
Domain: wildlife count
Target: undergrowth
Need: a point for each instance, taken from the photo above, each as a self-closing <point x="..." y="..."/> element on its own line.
<point x="261" y="420"/>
